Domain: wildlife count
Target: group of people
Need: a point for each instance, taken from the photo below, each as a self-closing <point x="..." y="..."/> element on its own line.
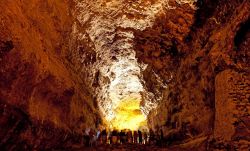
<point x="124" y="136"/>
<point x="93" y="138"/>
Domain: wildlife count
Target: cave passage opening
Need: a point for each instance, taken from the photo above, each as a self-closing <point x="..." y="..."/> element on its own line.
<point x="125" y="95"/>
<point x="123" y="98"/>
<point x="129" y="116"/>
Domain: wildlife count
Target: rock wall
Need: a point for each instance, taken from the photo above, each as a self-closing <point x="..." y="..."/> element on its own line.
<point x="188" y="50"/>
<point x="232" y="120"/>
<point x="197" y="68"/>
<point x="44" y="102"/>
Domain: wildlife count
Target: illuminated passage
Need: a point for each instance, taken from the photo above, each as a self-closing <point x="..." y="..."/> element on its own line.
<point x="124" y="94"/>
<point x="109" y="26"/>
<point x="129" y="115"/>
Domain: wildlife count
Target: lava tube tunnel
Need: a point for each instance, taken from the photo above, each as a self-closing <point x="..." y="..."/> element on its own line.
<point x="124" y="75"/>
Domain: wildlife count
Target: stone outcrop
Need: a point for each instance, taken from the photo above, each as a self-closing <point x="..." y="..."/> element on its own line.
<point x="43" y="101"/>
<point x="216" y="41"/>
<point x="231" y="125"/>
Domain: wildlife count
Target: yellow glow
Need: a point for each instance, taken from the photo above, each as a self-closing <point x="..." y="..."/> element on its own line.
<point x="129" y="115"/>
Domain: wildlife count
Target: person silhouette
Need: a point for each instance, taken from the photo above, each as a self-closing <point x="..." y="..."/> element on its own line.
<point x="140" y="136"/>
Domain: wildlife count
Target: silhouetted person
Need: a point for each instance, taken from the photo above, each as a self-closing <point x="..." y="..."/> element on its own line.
<point x="86" y="137"/>
<point x="140" y="136"/>
<point x="161" y="137"/>
<point x="114" y="137"/>
<point x="135" y="137"/>
<point x="122" y="137"/>
<point x="145" y="136"/>
<point x="104" y="136"/>
<point x="129" y="136"/>
<point x="91" y="137"/>
<point x="151" y="137"/>
<point x="98" y="137"/>
<point x="110" y="137"/>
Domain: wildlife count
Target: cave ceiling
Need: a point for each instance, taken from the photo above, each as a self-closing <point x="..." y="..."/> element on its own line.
<point x="109" y="26"/>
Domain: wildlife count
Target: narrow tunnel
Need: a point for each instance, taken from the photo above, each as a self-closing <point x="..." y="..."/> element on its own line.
<point x="92" y="75"/>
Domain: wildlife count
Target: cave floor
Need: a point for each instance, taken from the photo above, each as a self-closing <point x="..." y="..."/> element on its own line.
<point x="194" y="142"/>
<point x="125" y="147"/>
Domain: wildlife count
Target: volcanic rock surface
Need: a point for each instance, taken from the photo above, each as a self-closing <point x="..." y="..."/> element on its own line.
<point x="44" y="102"/>
<point x="182" y="66"/>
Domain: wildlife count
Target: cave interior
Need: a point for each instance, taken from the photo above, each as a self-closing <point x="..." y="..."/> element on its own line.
<point x="177" y="68"/>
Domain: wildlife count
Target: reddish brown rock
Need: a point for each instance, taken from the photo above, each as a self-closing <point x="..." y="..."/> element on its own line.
<point x="232" y="109"/>
<point x="194" y="57"/>
<point x="200" y="56"/>
<point x="43" y="103"/>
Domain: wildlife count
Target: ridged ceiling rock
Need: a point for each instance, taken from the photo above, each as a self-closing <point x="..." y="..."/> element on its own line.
<point x="110" y="27"/>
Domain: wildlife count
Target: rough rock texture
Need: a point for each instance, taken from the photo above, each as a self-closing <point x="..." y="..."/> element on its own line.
<point x="216" y="40"/>
<point x="43" y="102"/>
<point x="232" y="119"/>
<point x="55" y="65"/>
<point x="109" y="29"/>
